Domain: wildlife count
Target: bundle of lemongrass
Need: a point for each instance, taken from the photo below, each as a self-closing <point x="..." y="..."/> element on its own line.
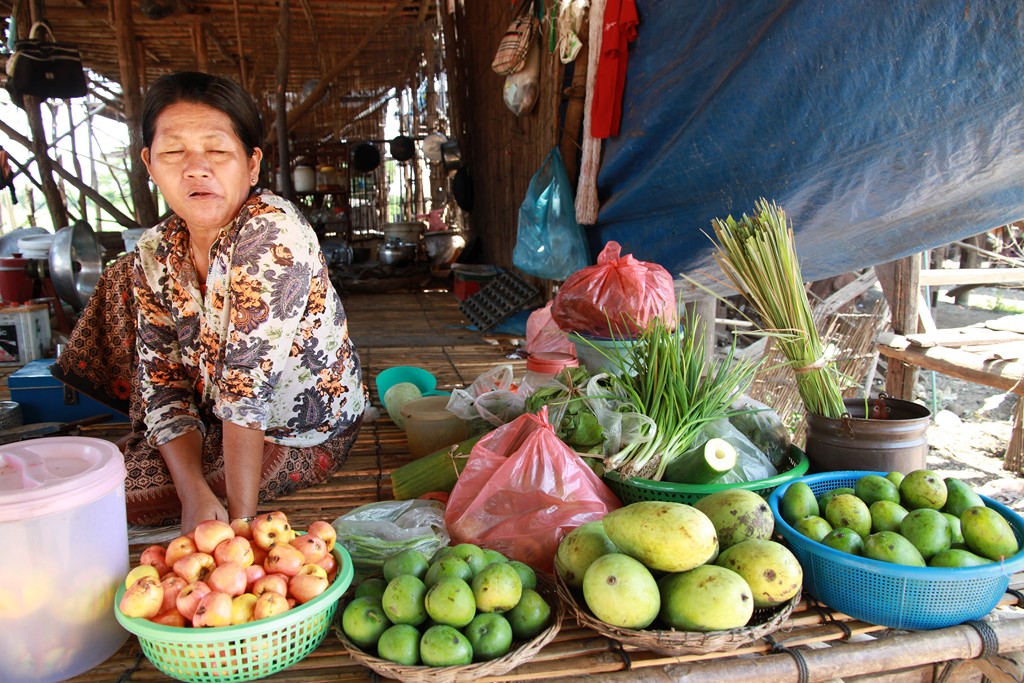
<point x="666" y="374"/>
<point x="758" y="255"/>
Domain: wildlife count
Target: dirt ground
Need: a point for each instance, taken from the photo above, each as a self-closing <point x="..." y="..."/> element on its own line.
<point x="972" y="422"/>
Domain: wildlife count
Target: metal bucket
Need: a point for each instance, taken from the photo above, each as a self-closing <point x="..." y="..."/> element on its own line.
<point x="899" y="443"/>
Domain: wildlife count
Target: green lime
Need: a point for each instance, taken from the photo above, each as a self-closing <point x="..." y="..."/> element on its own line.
<point x="400" y="644"/>
<point x="442" y="645"/>
<point x="490" y="635"/>
<point x="364" y="621"/>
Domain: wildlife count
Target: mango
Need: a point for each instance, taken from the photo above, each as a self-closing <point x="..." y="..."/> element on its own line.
<point x="706" y="598"/>
<point x="959" y="497"/>
<point x="889" y="546"/>
<point x="665" y="536"/>
<point x="987" y="533"/>
<point x="923" y="489"/>
<point x="874" y="487"/>
<point x="956" y="536"/>
<point x="823" y="499"/>
<point x="813" y="527"/>
<point x="886" y="515"/>
<point x="738" y="514"/>
<point x="797" y="502"/>
<point x="848" y="510"/>
<point x="769" y="568"/>
<point x="621" y="591"/>
<point x="956" y="557"/>
<point x="845" y="540"/>
<point x="928" y="530"/>
<point x="579" y="548"/>
<point x="895" y="477"/>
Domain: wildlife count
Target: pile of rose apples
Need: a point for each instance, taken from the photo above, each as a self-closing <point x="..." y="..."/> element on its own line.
<point x="224" y="574"/>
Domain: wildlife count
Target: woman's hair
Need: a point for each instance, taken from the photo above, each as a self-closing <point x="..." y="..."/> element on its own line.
<point x="220" y="93"/>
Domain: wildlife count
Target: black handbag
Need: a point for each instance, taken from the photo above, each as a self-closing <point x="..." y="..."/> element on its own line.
<point x="43" y="67"/>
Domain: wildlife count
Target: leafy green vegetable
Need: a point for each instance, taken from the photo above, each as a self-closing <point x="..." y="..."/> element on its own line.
<point x="574" y="421"/>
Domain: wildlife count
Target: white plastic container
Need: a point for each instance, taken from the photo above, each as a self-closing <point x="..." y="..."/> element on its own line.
<point x="64" y="535"/>
<point x="24" y="333"/>
<point x="304" y="179"/>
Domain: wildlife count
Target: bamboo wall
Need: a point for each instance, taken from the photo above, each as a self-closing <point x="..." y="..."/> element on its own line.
<point x="501" y="151"/>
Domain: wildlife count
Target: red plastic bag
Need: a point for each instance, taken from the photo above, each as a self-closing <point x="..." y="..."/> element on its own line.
<point x="523" y="489"/>
<point x="542" y="334"/>
<point x="617" y="297"/>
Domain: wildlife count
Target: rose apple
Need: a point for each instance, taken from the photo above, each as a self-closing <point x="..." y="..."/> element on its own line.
<point x="314" y="569"/>
<point x="242" y="608"/>
<point x="235" y="549"/>
<point x="313" y="548"/>
<point x="305" y="586"/>
<point x="330" y="565"/>
<point x="140" y="571"/>
<point x="269" y="604"/>
<point x="210" y="533"/>
<point x="271" y="583"/>
<point x="172" y="584"/>
<point x="325" y="532"/>
<point x="143" y="598"/>
<point x="213" y="610"/>
<point x="156" y="556"/>
<point x="195" y="566"/>
<point x="189" y="597"/>
<point x="259" y="555"/>
<point x="271" y="528"/>
<point x="284" y="558"/>
<point x="228" y="578"/>
<point x="179" y="548"/>
<point x="171" y="617"/>
<point x="253" y="573"/>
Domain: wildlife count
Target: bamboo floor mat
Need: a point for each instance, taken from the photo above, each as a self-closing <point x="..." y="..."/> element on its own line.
<point x="426" y="329"/>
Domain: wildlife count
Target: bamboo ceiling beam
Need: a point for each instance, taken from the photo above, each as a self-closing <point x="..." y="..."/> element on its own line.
<point x="243" y="78"/>
<point x="283" y="32"/>
<point x="199" y="44"/>
<point x="303" y="107"/>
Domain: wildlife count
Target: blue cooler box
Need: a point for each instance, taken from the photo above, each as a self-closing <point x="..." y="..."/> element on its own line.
<point x="44" y="398"/>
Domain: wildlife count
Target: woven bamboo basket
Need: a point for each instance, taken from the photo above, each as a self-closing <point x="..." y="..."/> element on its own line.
<point x="469" y="672"/>
<point x="671" y="642"/>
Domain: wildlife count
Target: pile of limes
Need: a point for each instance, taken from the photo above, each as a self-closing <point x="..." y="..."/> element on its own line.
<point x="465" y="604"/>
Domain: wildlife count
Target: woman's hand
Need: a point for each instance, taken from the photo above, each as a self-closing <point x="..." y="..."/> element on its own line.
<point x="184" y="458"/>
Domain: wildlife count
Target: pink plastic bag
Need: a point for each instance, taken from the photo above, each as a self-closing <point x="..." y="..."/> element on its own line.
<point x="543" y="335"/>
<point x="618" y="291"/>
<point x="522" y="489"/>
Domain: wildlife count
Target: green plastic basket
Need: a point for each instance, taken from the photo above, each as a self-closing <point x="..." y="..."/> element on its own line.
<point x="245" y="652"/>
<point x="635" y="489"/>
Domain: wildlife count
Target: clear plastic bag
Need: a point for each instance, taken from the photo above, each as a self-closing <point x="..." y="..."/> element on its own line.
<point x="751" y="463"/>
<point x="489" y="401"/>
<point x="522" y="87"/>
<point x="762" y="426"/>
<point x="549" y="242"/>
<point x="374" y="532"/>
<point x="522" y="489"/>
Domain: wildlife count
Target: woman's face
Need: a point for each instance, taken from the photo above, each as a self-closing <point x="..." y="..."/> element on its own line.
<point x="200" y="164"/>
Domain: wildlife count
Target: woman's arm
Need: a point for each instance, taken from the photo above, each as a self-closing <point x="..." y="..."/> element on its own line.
<point x="183" y="456"/>
<point x="243" y="462"/>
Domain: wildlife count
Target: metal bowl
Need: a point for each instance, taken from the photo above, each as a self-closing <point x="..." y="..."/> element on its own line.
<point x="394" y="253"/>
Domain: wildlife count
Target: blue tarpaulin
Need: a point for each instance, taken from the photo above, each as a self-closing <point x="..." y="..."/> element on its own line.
<point x="882" y="127"/>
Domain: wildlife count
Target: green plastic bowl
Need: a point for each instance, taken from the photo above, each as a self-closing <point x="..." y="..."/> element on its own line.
<point x="247" y="651"/>
<point x="637" y="489"/>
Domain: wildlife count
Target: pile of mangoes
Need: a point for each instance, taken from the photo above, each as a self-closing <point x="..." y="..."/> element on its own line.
<point x="918" y="519"/>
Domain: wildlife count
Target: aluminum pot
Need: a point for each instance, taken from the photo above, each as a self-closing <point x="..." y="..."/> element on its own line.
<point x="395" y="253"/>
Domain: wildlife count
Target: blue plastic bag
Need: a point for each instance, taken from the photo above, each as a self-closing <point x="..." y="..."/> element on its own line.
<point x="550" y="243"/>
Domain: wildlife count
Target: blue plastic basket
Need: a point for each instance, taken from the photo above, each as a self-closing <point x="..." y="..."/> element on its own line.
<point x="896" y="595"/>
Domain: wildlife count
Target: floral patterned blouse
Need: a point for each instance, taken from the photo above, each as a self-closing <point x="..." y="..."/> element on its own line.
<point x="267" y="347"/>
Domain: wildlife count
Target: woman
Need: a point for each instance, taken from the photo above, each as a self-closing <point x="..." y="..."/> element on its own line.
<point x="250" y="383"/>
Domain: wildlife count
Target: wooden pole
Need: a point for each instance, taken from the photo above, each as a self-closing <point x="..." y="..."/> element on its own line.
<point x="199" y="45"/>
<point x="238" y="41"/>
<point x="131" y="67"/>
<point x="901" y="287"/>
<point x="283" y="33"/>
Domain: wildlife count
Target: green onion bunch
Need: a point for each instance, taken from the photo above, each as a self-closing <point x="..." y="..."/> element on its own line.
<point x="758" y="255"/>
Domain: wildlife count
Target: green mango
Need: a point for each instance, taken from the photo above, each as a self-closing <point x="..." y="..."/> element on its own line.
<point x="850" y="511"/>
<point x="987" y="533"/>
<point x="955" y="557"/>
<point x="845" y="540"/>
<point x="928" y="530"/>
<point x="797" y="502"/>
<point x="889" y="546"/>
<point x="956" y="536"/>
<point x="923" y="489"/>
<point x="873" y="487"/>
<point x="895" y="477"/>
<point x="813" y="527"/>
<point x="824" y="498"/>
<point x="886" y="515"/>
<point x="960" y="496"/>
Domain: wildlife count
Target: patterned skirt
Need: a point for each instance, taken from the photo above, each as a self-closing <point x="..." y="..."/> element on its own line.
<point x="100" y="361"/>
